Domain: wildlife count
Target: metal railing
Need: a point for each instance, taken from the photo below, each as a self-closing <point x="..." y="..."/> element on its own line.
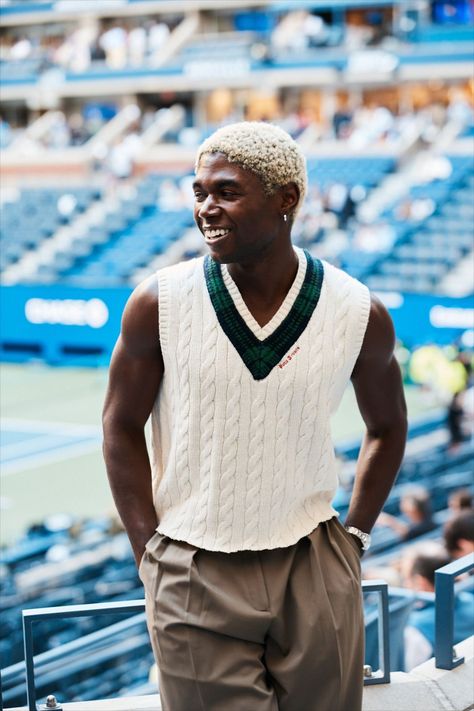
<point x="445" y="654"/>
<point x="378" y="676"/>
<point x="382" y="674"/>
<point x="31" y="616"/>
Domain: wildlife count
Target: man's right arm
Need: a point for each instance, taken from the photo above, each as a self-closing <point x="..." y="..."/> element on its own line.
<point x="135" y="375"/>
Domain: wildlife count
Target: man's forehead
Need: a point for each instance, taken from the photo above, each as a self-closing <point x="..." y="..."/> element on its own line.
<point x="216" y="166"/>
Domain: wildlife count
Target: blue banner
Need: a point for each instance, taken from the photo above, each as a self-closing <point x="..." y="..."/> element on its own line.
<point x="420" y="319"/>
<point x="66" y="325"/>
<point x="59" y="324"/>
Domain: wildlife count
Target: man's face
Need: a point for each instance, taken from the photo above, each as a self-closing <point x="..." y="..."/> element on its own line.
<point x="239" y="222"/>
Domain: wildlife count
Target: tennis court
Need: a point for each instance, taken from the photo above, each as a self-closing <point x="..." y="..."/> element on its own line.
<point x="51" y="458"/>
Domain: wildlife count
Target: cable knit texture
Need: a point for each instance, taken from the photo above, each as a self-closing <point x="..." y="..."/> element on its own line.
<point x="239" y="463"/>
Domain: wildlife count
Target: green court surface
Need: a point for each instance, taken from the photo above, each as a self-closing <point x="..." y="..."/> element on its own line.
<point x="51" y="446"/>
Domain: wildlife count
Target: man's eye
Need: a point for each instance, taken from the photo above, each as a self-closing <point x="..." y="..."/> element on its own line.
<point x="228" y="193"/>
<point x="198" y="197"/>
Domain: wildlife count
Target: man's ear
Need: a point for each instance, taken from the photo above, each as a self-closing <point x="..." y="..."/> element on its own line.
<point x="290" y="197"/>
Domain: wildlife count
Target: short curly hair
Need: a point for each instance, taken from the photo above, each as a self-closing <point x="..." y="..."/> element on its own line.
<point x="266" y="150"/>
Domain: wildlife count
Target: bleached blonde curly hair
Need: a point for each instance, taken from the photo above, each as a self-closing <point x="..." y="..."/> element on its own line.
<point x="264" y="149"/>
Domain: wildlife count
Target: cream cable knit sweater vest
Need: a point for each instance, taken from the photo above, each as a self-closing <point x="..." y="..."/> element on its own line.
<point x="242" y="457"/>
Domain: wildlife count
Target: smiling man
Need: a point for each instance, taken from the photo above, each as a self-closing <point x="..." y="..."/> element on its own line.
<point x="252" y="585"/>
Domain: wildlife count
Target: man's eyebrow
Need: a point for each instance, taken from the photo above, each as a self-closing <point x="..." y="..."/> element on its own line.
<point x="225" y="183"/>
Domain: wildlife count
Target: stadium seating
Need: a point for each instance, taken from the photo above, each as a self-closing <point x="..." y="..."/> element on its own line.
<point x="36" y="215"/>
<point x="424" y="253"/>
<point x="53" y="568"/>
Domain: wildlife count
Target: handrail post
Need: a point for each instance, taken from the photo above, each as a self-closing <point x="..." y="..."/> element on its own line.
<point x="382" y="675"/>
<point x="444" y="611"/>
<point x="384" y="632"/>
<point x="29" y="663"/>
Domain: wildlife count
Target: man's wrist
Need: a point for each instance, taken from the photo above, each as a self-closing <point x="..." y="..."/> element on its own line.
<point x="139" y="539"/>
<point x="361" y="536"/>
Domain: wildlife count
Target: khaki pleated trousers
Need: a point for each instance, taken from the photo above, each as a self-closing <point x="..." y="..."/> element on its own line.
<point x="272" y="630"/>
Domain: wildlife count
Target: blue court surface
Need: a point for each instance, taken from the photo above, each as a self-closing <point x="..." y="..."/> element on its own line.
<point x="28" y="443"/>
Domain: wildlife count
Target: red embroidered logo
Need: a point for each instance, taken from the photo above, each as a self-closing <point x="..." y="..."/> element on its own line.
<point x="289" y="357"/>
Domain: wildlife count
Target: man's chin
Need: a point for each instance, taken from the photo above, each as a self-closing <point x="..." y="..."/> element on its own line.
<point x="221" y="256"/>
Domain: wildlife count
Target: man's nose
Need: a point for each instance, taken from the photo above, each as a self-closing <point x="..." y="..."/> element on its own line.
<point x="209" y="207"/>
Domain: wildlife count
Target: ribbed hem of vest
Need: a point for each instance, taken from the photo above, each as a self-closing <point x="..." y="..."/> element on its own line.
<point x="208" y="544"/>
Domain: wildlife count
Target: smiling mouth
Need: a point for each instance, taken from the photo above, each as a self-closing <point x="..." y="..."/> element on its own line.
<point x="215" y="235"/>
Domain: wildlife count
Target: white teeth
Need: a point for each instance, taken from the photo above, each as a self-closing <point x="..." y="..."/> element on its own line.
<point x="213" y="234"/>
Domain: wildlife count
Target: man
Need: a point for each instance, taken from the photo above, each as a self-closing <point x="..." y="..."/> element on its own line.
<point x="252" y="585"/>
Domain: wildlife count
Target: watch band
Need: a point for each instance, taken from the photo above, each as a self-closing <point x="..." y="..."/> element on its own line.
<point x="364" y="538"/>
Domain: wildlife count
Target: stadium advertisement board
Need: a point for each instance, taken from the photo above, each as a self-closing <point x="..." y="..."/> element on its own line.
<point x="66" y="325"/>
<point x="60" y="324"/>
<point x="422" y="318"/>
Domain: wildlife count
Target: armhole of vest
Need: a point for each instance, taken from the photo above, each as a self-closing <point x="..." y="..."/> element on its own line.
<point x="363" y="318"/>
<point x="163" y="310"/>
<point x="358" y="322"/>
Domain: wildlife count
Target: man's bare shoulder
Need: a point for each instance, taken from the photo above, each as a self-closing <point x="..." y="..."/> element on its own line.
<point x="379" y="339"/>
<point x="140" y="323"/>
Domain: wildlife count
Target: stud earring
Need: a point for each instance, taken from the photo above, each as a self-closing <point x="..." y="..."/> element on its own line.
<point x="285" y="217"/>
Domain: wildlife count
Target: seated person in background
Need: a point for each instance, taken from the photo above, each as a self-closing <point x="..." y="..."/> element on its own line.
<point x="460" y="501"/>
<point x="415" y="505"/>
<point x="454" y="420"/>
<point x="420" y="629"/>
<point x="459" y="535"/>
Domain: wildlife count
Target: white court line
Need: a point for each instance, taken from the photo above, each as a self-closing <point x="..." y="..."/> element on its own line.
<point x="57" y="455"/>
<point x="46" y="427"/>
<point x="38" y="445"/>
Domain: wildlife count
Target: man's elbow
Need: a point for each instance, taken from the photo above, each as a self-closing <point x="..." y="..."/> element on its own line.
<point x="393" y="429"/>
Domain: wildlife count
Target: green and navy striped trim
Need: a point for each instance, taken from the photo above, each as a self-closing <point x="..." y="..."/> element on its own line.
<point x="261" y="357"/>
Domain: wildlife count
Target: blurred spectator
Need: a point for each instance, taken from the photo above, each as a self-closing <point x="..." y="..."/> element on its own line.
<point x="59" y="134"/>
<point x="136" y="46"/>
<point x="114" y="43"/>
<point x="341" y="122"/>
<point x="415" y="505"/>
<point x="170" y="196"/>
<point x="371" y="124"/>
<point x="74" y="53"/>
<point x="454" y="421"/>
<point x="460" y="501"/>
<point x="77" y="130"/>
<point x="420" y="629"/>
<point x="300" y="30"/>
<point x="459" y="534"/>
<point x="459" y="109"/>
<point x="21" y="49"/>
<point x="121" y="157"/>
<point x="288" y="36"/>
<point x="158" y="34"/>
<point x="414" y="210"/>
<point x="374" y="236"/>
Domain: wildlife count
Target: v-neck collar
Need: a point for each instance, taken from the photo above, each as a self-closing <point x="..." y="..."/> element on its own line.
<point x="261" y="355"/>
<point x="262" y="332"/>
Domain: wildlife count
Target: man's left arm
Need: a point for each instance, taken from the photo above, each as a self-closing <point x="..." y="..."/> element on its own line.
<point x="379" y="390"/>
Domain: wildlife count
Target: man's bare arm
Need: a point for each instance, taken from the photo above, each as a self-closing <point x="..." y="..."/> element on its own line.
<point x="135" y="375"/>
<point x="379" y="390"/>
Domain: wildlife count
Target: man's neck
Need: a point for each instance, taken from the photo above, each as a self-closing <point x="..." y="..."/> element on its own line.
<point x="268" y="279"/>
<point x="264" y="284"/>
